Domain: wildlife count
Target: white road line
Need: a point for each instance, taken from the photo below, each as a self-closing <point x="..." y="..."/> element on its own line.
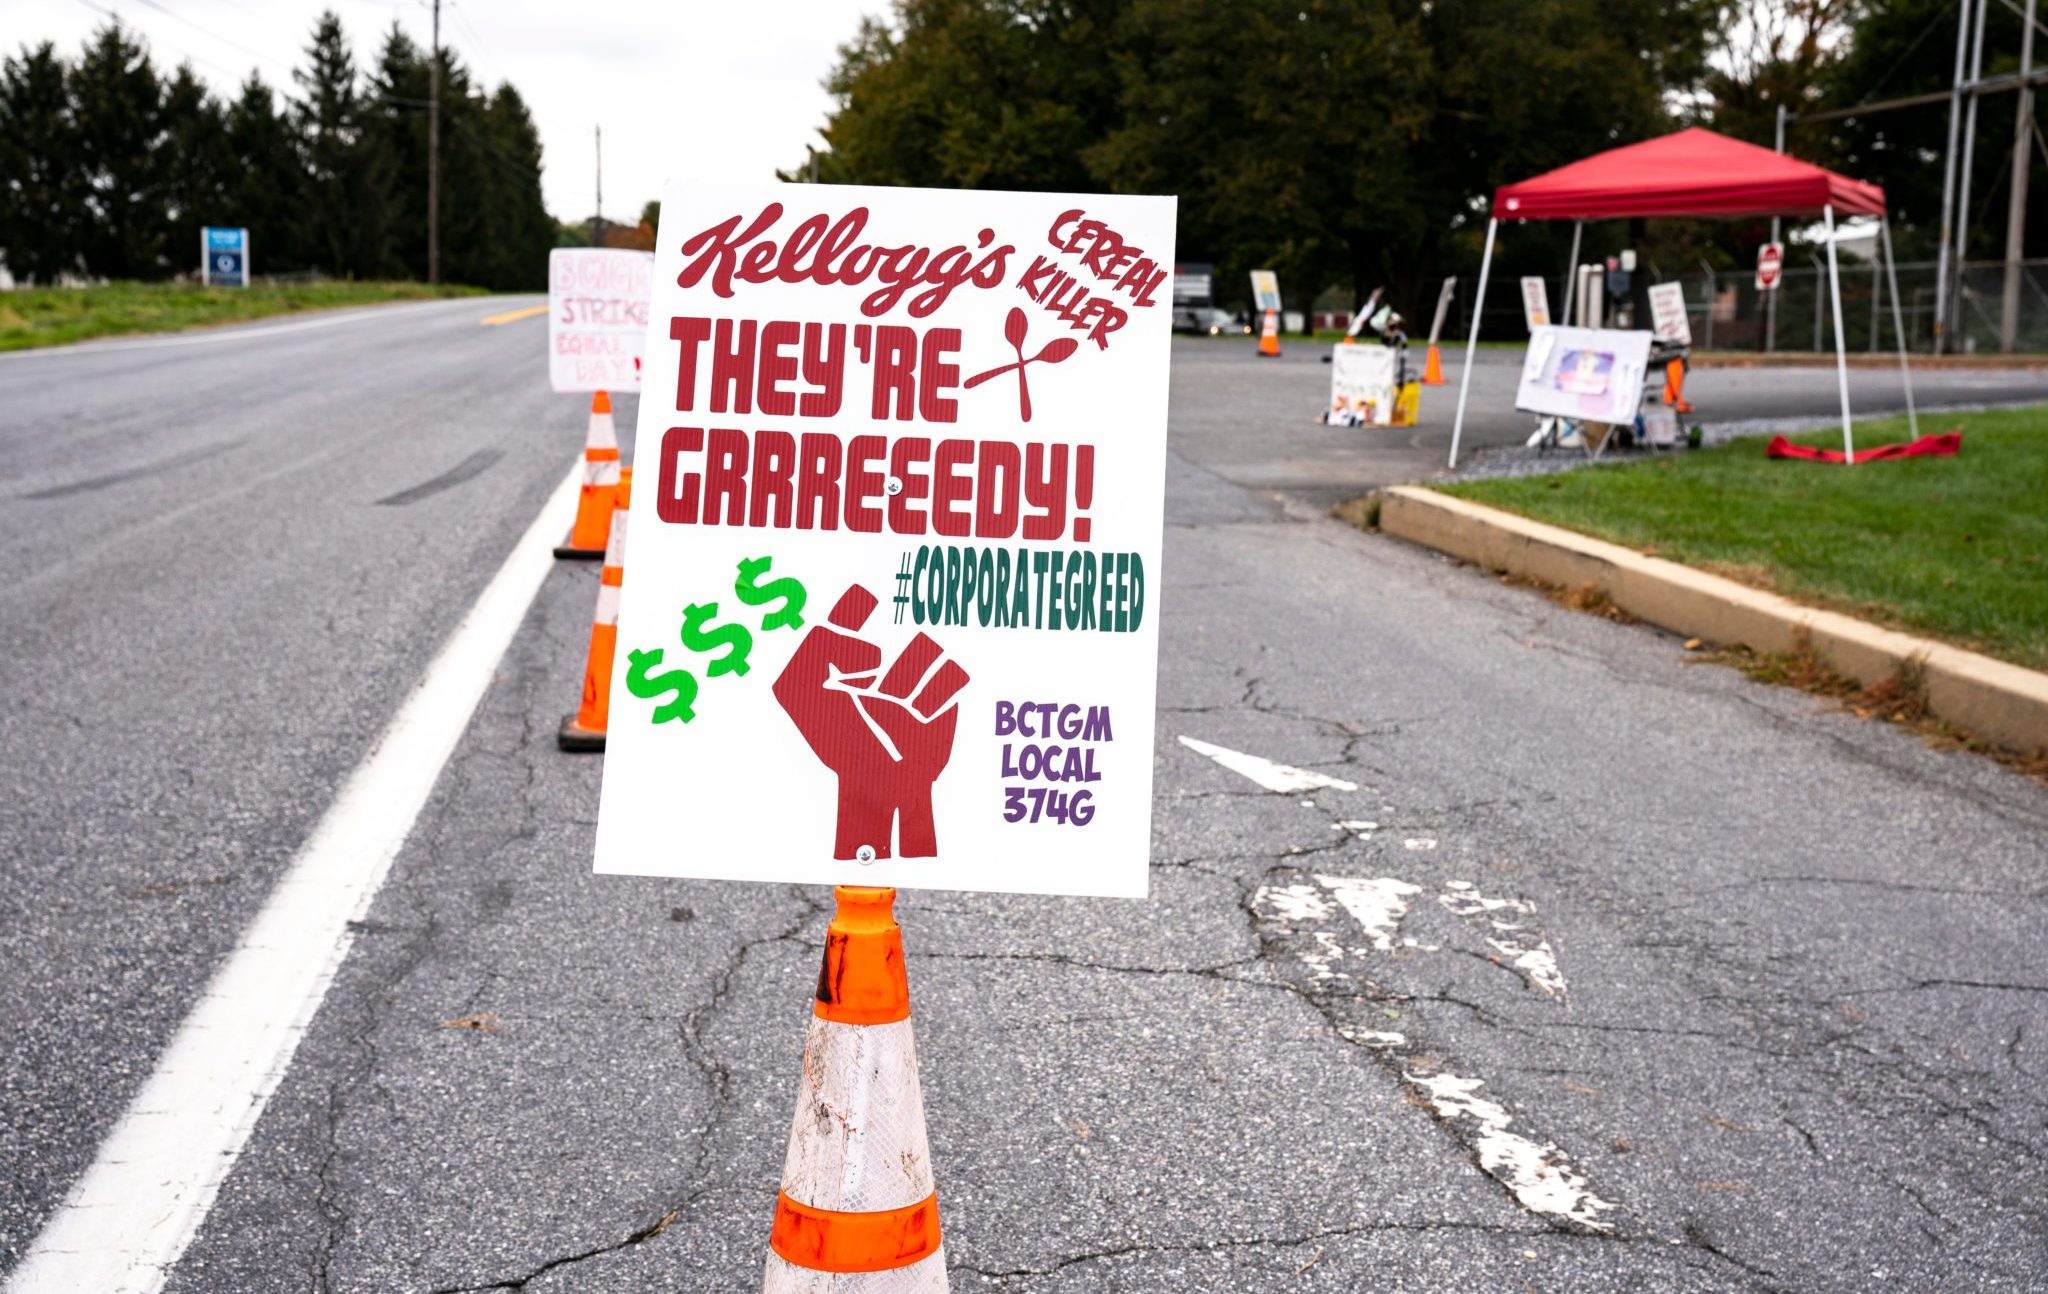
<point x="130" y="1217"/>
<point x="211" y="336"/>
<point x="1272" y="776"/>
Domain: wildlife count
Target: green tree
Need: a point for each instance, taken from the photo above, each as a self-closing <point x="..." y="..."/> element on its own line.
<point x="41" y="182"/>
<point x="196" y="163"/>
<point x="1338" y="141"/>
<point x="266" y="185"/>
<point x="395" y="128"/>
<point x="118" y="106"/>
<point x="978" y="94"/>
<point x="522" y="232"/>
<point x="346" y="216"/>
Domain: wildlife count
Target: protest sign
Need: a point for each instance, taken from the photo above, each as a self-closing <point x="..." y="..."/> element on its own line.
<point x="1667" y="313"/>
<point x="1591" y="374"/>
<point x="1361" y="385"/>
<point x="597" y="317"/>
<point x="1265" y="290"/>
<point x="890" y="614"/>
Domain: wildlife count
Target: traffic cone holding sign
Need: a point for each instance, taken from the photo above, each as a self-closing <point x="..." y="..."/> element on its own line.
<point x="1269" y="334"/>
<point x="1674" y="387"/>
<point x="585" y="729"/>
<point x="1433" y="368"/>
<point x="858" y="1212"/>
<point x="600" y="479"/>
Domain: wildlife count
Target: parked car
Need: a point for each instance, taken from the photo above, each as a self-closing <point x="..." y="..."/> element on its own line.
<point x="1207" y="321"/>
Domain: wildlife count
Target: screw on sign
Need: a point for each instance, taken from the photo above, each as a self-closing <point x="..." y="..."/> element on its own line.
<point x="1770" y="266"/>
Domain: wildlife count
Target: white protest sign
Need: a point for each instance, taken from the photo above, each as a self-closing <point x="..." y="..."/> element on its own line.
<point x="597" y="317"/>
<point x="1265" y="290"/>
<point x="1592" y="374"/>
<point x="1535" y="302"/>
<point x="1667" y="313"/>
<point x="891" y="609"/>
<point x="1361" y="385"/>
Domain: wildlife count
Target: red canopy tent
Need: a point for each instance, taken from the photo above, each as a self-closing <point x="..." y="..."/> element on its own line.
<point x="1700" y="174"/>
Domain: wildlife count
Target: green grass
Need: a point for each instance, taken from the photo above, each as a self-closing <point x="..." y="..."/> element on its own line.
<point x="1954" y="548"/>
<point x="52" y="316"/>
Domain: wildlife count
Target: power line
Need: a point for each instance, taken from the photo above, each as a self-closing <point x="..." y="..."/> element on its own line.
<point x="105" y="12"/>
<point x="202" y="30"/>
<point x="477" y="36"/>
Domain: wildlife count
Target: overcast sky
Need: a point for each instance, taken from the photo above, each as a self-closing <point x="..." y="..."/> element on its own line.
<point x="682" y="87"/>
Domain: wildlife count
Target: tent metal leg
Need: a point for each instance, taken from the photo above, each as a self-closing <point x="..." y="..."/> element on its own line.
<point x="1891" y="270"/>
<point x="1472" y="342"/>
<point x="1841" y="350"/>
<point x="1571" y="278"/>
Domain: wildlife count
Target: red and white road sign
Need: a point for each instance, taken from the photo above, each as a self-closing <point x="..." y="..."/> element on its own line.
<point x="1770" y="266"/>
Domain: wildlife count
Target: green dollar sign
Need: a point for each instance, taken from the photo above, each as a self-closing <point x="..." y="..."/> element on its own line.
<point x="734" y="638"/>
<point x="681" y="681"/>
<point x="747" y="588"/>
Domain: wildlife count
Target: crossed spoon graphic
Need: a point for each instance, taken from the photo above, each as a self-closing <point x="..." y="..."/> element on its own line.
<point x="1053" y="352"/>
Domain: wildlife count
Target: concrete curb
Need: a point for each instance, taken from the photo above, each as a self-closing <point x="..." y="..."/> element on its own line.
<point x="1990" y="698"/>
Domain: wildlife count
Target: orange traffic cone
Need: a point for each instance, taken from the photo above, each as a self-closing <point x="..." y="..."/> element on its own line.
<point x="600" y="478"/>
<point x="1674" y="387"/>
<point x="858" y="1212"/>
<point x="1433" y="368"/>
<point x="1269" y="335"/>
<point x="585" y="729"/>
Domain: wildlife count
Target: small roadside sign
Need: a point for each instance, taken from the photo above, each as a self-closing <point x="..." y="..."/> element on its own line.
<point x="1535" y="302"/>
<point x="224" y="257"/>
<point x="1443" y="307"/>
<point x="1266" y="289"/>
<point x="1667" y="313"/>
<point x="597" y="317"/>
<point x="1770" y="266"/>
<point x="892" y="611"/>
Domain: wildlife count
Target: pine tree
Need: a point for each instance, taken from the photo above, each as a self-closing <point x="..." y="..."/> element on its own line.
<point x="395" y="126"/>
<point x="525" y="230"/>
<point x="346" y="214"/>
<point x="264" y="190"/>
<point x="196" y="162"/>
<point x="119" y="110"/>
<point x="41" y="182"/>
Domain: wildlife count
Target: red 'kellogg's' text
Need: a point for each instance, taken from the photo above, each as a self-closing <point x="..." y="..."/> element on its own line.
<point x="825" y="251"/>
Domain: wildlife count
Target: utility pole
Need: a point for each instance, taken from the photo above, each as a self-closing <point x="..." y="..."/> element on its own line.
<point x="2022" y="163"/>
<point x="597" y="221"/>
<point x="1955" y="313"/>
<point x="1771" y="302"/>
<point x="434" y="154"/>
<point x="1948" y="181"/>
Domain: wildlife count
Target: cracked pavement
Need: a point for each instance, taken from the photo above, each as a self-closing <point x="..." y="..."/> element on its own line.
<point x="1800" y="1048"/>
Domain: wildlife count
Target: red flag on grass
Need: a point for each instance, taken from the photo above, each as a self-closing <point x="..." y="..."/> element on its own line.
<point x="1943" y="446"/>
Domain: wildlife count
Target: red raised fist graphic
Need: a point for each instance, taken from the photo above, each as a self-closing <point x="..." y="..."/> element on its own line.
<point x="887" y="741"/>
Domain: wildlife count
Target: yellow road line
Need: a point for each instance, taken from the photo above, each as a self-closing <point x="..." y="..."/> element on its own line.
<point x="513" y="316"/>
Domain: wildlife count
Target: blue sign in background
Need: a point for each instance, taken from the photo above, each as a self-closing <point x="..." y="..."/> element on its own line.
<point x="224" y="257"/>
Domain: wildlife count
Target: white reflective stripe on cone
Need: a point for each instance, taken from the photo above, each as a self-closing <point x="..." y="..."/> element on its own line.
<point x="602" y="435"/>
<point x="925" y="1276"/>
<point x="858" y="1144"/>
<point x="607" y="605"/>
<point x="615" y="543"/>
<point x="600" y="471"/>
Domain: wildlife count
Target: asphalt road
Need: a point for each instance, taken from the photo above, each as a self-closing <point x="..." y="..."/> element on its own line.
<point x="1764" y="979"/>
